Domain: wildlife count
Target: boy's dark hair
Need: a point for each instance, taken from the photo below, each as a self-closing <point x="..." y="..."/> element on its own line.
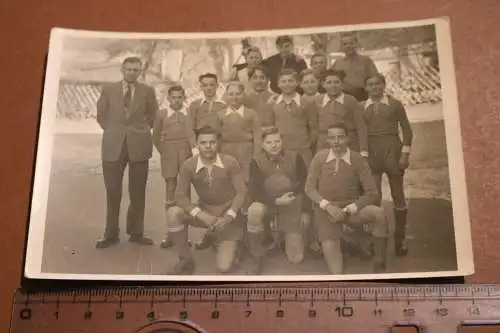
<point x="305" y="72"/>
<point x="176" y="87"/>
<point x="339" y="125"/>
<point x="252" y="48"/>
<point x="287" y="71"/>
<point x="208" y="76"/>
<point x="135" y="60"/>
<point x="269" y="131"/>
<point x="378" y="76"/>
<point x="280" y="40"/>
<point x="263" y="69"/>
<point x="206" y="130"/>
<point x="333" y="72"/>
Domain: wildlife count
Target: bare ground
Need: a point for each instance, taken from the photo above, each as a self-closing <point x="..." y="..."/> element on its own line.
<point x="76" y="210"/>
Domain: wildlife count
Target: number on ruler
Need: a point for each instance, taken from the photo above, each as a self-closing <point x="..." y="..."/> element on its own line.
<point x="119" y="315"/>
<point x="377" y="312"/>
<point x="409" y="312"/>
<point x="87" y="315"/>
<point x="312" y="313"/>
<point x="344" y="311"/>
<point x="151" y="316"/>
<point x="183" y="315"/>
<point x="56" y="314"/>
<point x="25" y="314"/>
<point x="248" y="313"/>
<point x="473" y="310"/>
<point x="280" y="313"/>
<point x="442" y="312"/>
<point x="215" y="314"/>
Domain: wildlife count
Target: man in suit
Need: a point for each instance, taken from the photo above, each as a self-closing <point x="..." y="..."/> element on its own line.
<point x="126" y="111"/>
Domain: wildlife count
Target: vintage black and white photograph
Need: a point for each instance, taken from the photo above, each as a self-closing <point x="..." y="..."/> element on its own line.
<point x="330" y="153"/>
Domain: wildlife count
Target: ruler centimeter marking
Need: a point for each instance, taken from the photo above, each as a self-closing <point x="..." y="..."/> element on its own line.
<point x="344" y="306"/>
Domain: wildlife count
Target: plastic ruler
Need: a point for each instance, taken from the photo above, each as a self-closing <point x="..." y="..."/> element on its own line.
<point x="261" y="309"/>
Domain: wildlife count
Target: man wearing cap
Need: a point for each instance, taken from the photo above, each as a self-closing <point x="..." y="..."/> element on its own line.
<point x="285" y="58"/>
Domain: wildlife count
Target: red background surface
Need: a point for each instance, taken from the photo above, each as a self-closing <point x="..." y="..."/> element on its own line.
<point x="25" y="27"/>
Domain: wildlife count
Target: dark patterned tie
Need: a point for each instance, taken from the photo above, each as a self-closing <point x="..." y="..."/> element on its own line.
<point x="127" y="98"/>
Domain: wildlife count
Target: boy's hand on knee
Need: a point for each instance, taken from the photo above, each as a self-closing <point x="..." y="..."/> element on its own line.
<point x="221" y="222"/>
<point x="206" y="218"/>
<point x="350" y="209"/>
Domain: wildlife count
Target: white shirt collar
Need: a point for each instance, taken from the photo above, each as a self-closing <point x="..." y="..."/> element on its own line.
<point x="346" y="157"/>
<point x="126" y="85"/>
<point x="170" y="111"/>
<point x="339" y="99"/>
<point x="296" y="99"/>
<point x="383" y="100"/>
<point x="238" y="111"/>
<point x="200" y="165"/>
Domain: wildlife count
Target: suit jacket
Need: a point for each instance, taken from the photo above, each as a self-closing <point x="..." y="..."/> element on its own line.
<point x="133" y="126"/>
<point x="275" y="64"/>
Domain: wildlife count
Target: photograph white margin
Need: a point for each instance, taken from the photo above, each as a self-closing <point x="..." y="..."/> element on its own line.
<point x="41" y="181"/>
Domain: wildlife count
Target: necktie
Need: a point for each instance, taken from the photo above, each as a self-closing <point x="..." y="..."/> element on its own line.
<point x="127" y="98"/>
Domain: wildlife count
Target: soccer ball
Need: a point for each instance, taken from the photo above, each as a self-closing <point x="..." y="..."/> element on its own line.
<point x="277" y="184"/>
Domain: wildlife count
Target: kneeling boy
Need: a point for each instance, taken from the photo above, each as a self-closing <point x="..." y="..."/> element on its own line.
<point x="220" y="185"/>
<point x="277" y="179"/>
<point x="341" y="185"/>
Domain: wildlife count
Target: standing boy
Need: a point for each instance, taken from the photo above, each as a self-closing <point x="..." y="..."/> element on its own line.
<point x="336" y="107"/>
<point x="253" y="56"/>
<point x="126" y="112"/>
<point x="310" y="85"/>
<point x="171" y="141"/>
<point x="357" y="67"/>
<point x="204" y="111"/>
<point x="219" y="182"/>
<point x="341" y="185"/>
<point x="258" y="100"/>
<point x="319" y="64"/>
<point x="240" y="128"/>
<point x="295" y="117"/>
<point x="277" y="180"/>
<point x="389" y="154"/>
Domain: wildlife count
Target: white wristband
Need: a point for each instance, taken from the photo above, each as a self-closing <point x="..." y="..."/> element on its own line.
<point x="195" y="211"/>
<point x="231" y="213"/>
<point x="324" y="203"/>
<point x="406" y="149"/>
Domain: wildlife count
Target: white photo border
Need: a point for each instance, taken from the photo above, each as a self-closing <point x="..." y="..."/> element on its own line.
<point x="457" y="178"/>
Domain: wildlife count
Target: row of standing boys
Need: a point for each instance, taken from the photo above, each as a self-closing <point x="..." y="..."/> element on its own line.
<point x="302" y="104"/>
